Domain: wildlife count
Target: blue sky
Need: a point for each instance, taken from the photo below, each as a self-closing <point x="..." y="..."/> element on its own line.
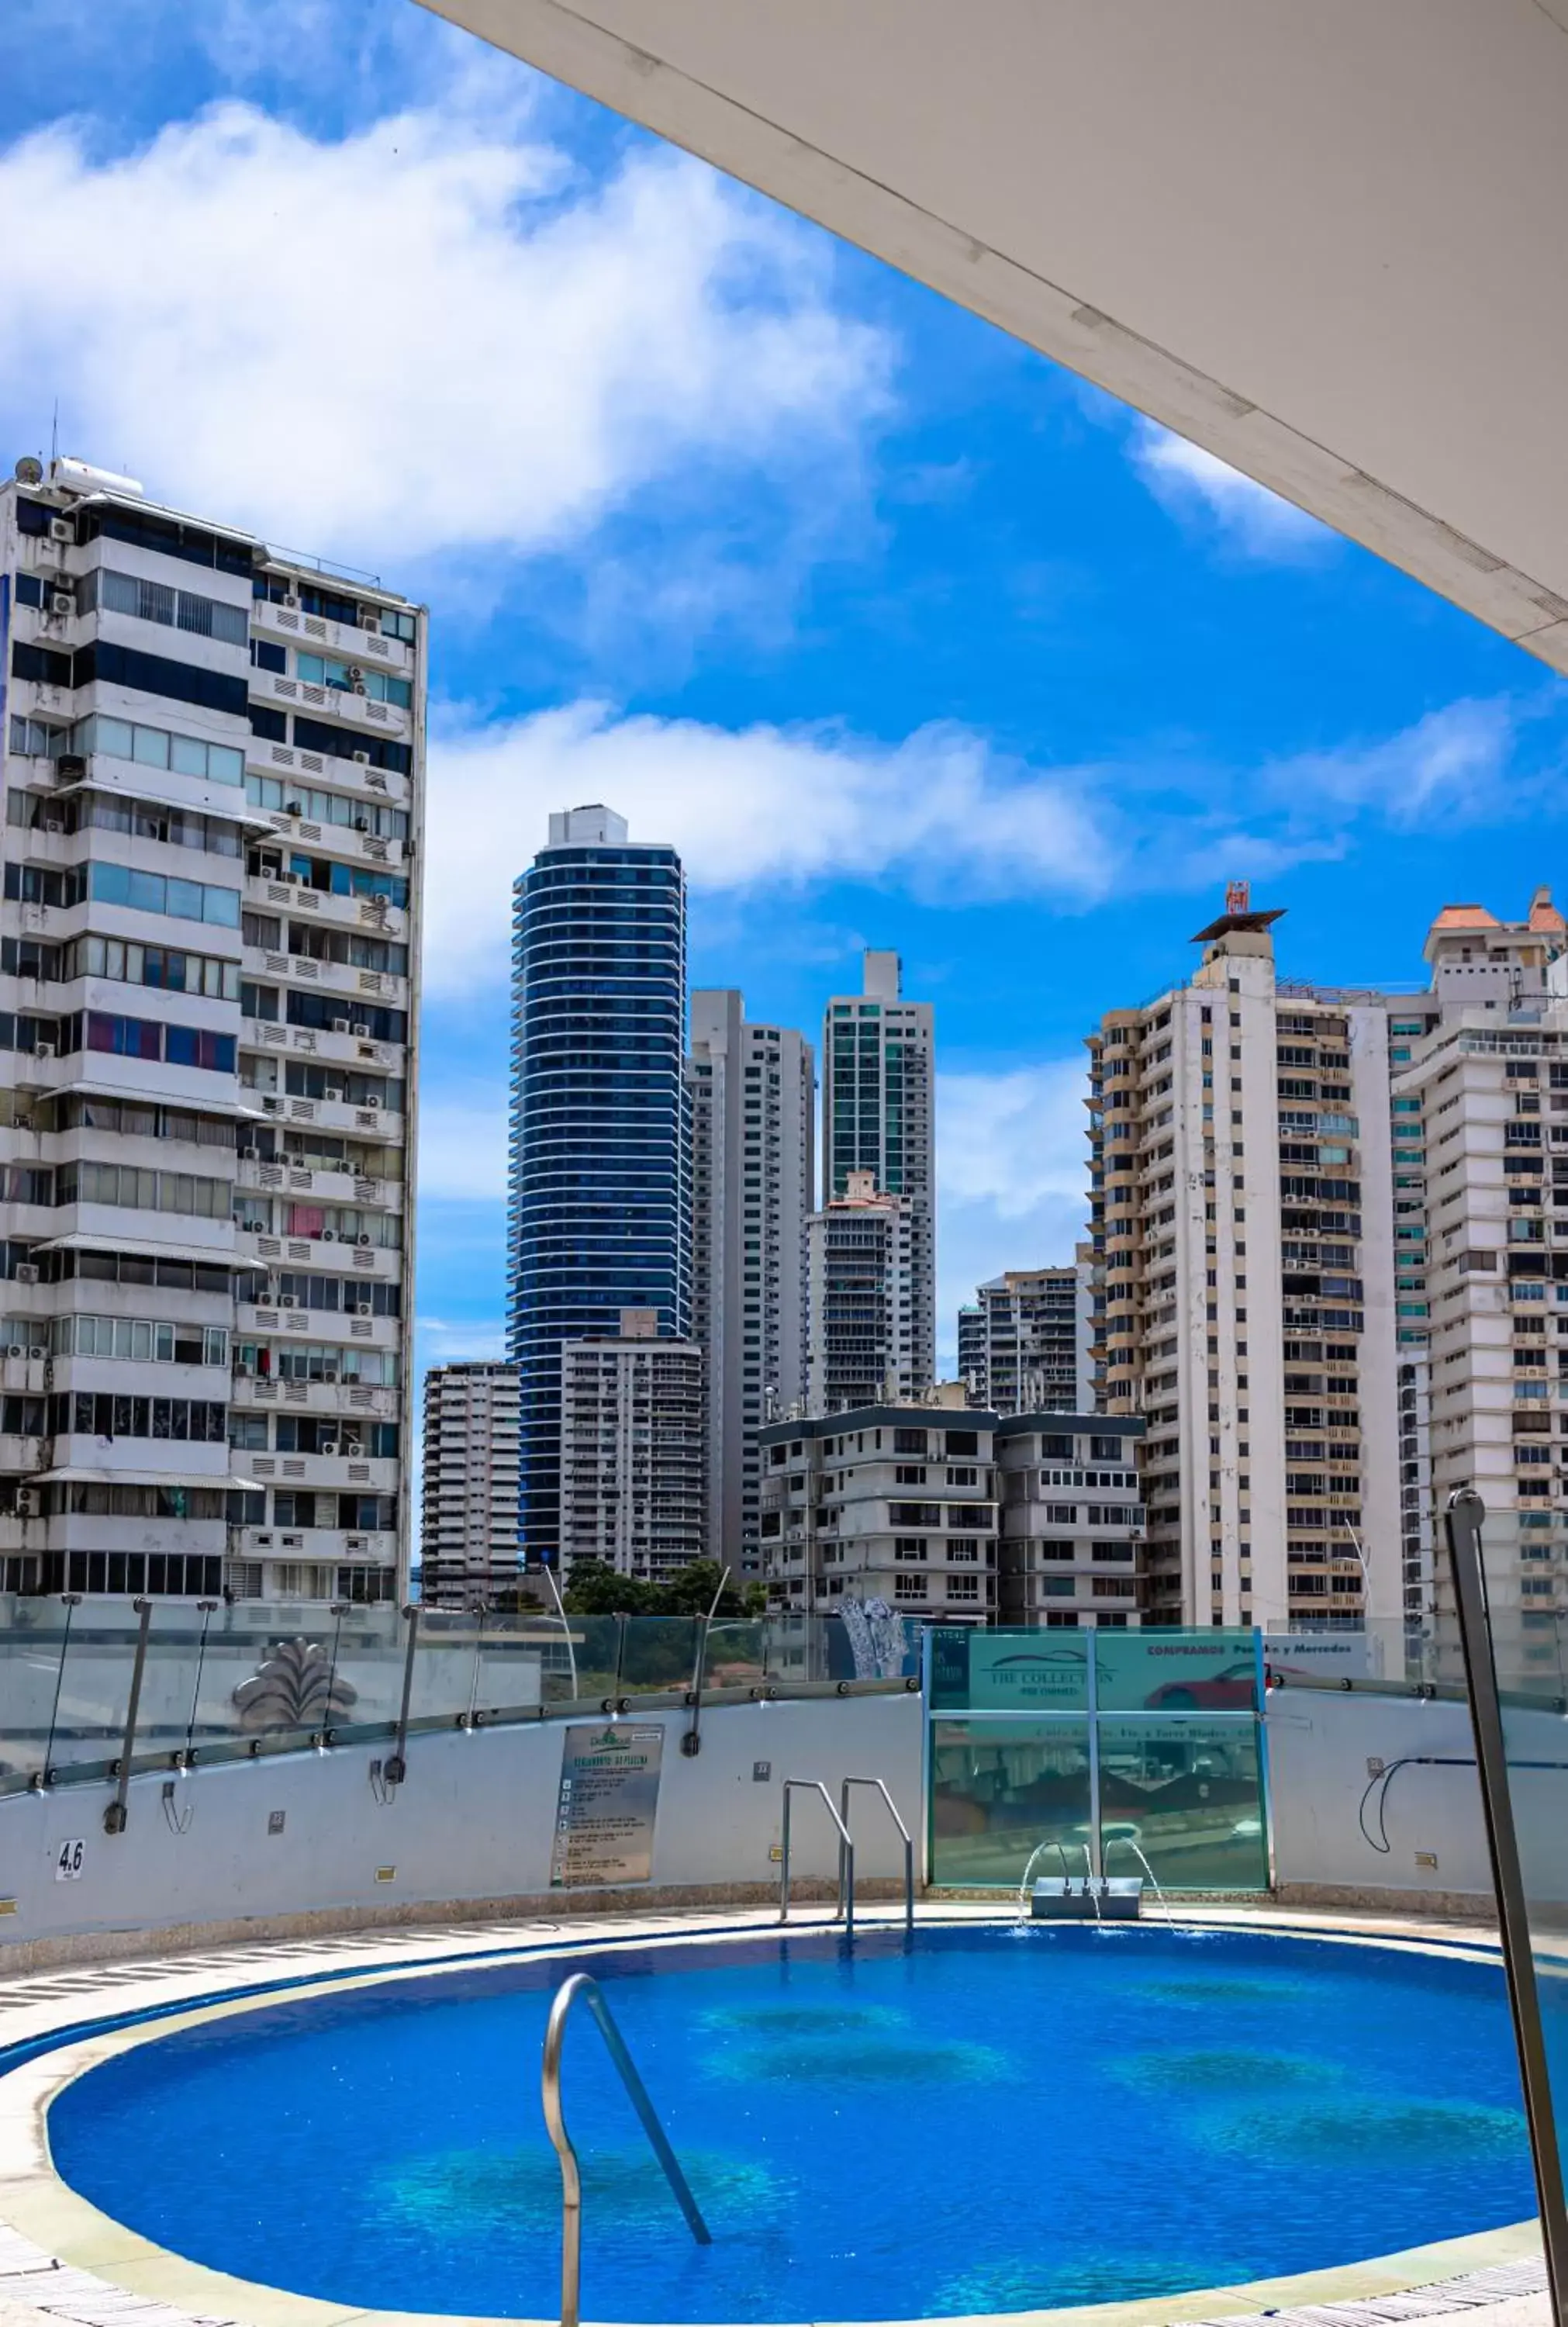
<point x="902" y="635"/>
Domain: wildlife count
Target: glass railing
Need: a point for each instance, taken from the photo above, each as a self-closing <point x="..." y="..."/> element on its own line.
<point x="222" y="1682"/>
<point x="1100" y="1753"/>
<point x="1395" y="1657"/>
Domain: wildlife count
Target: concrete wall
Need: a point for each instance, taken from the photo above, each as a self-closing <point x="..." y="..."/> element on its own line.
<point x="473" y="1824"/>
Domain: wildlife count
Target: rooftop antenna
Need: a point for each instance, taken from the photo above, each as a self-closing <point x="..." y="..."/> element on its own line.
<point x="54" y="433"/>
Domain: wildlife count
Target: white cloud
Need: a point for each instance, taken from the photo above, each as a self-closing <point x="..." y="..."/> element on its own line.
<point x="1190" y="482"/>
<point x="1011" y="1177"/>
<point x="763" y="806"/>
<point x="1452" y="762"/>
<point x="425" y="336"/>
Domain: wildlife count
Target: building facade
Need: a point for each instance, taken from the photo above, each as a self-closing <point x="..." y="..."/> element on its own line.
<point x="1072" y="1519"/>
<point x="208" y="998"/>
<point x="882" y="1502"/>
<point x="631" y="1449"/>
<point x="600" y="1216"/>
<point x="753" y="1115"/>
<point x="878" y="1115"/>
<point x="469" y="1546"/>
<point x="1482" y="1091"/>
<point x="1019" y="1345"/>
<point x="864" y="1255"/>
<point x="1243" y="1209"/>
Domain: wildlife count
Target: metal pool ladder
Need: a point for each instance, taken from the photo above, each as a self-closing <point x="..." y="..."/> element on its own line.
<point x="846" y="1853"/>
<point x="583" y="1984"/>
<point x="845" y="1906"/>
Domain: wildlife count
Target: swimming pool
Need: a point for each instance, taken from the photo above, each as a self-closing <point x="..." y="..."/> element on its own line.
<point x="989" y="2121"/>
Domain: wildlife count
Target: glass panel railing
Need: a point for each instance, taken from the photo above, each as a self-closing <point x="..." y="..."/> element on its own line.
<point x="1182" y="1800"/>
<point x="658" y="1654"/>
<point x="1009" y="1671"/>
<point x="1004" y="1792"/>
<point x="34" y="1636"/>
<point x="94" y="1684"/>
<point x="511" y="1651"/>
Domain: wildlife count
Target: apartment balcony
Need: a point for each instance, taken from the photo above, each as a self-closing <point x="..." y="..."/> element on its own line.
<point x="288" y="626"/>
<point x="375" y="1549"/>
<point x="286" y="892"/>
<point x="339" y="1472"/>
<point x="253" y="1318"/>
<point x="336" y="977"/>
<point x="339" y="1115"/>
<point x="369" y="1264"/>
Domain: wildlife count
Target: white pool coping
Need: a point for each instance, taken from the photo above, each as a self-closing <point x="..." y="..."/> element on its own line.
<point x="61" y="2258"/>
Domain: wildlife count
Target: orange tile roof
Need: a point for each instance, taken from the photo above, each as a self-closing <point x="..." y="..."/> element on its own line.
<point x="1544" y="913"/>
<point x="1466" y="917"/>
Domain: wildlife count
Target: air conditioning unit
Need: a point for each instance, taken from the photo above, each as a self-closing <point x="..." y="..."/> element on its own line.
<point x="329" y="1373"/>
<point x="63" y="601"/>
<point x="24" y="1502"/>
<point x="250" y="1154"/>
<point x="372" y="626"/>
<point x="329" y="1235"/>
<point x="16" y="1349"/>
<point x="333" y="1092"/>
<point x="243" y="1372"/>
<point x="61" y="529"/>
<point x="362" y="823"/>
<point x="327" y="1446"/>
<point x="359" y="1240"/>
<point x="292" y="807"/>
<point x="339" y="1025"/>
<point x="372" y="1104"/>
<point x="361" y="759"/>
<point x="291" y="598"/>
<point x="52" y="824"/>
<point x="39" y="1350"/>
<point x="362" y="1309"/>
<point x="27" y="1273"/>
<point x="293" y="880"/>
<point x="69" y="767"/>
<point x="355" y="673"/>
<point x="353" y="1446"/>
<point x="288" y="1301"/>
<point x="43" y="1049"/>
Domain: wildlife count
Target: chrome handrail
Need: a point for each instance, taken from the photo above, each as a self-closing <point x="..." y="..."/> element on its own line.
<point x="903" y="1829"/>
<point x="845" y="1854"/>
<point x="583" y="1984"/>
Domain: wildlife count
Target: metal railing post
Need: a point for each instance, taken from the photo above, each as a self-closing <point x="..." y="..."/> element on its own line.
<point x="909" y="1842"/>
<point x="71" y="1602"/>
<point x="396" y="1767"/>
<point x="1462" y="1524"/>
<point x="118" y="1815"/>
<point x="845" y="1905"/>
<point x="583" y="1984"/>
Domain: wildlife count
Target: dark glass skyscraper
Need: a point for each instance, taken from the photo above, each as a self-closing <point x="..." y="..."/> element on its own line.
<point x="599" y="1218"/>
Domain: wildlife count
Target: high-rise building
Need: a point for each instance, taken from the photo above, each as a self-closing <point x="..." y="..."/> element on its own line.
<point x="889" y="1501"/>
<point x="469" y="1498"/>
<point x="1243" y="1203"/>
<point x="1020" y="1341"/>
<point x="1072" y="1519"/>
<point x="863" y="1254"/>
<point x="631" y="1449"/>
<point x="1480" y="1095"/>
<point x="753" y="1104"/>
<point x="208" y="966"/>
<point x="878" y="1115"/>
<point x="599" y="1219"/>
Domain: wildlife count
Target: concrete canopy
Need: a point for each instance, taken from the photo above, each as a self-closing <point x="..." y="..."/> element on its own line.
<point x="1322" y="239"/>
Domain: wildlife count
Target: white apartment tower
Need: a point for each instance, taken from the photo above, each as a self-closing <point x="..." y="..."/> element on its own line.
<point x="209" y="961"/>
<point x="631" y="1449"/>
<point x="753" y="1102"/>
<point x="878" y="1115"/>
<point x="1481" y="1094"/>
<point x="1243" y="1203"/>
<point x="1018" y="1345"/>
<point x="864" y="1253"/>
<point x="469" y="1542"/>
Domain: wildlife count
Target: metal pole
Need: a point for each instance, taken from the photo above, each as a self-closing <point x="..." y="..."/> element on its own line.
<point x="72" y="1601"/>
<point x="1092" y="1692"/>
<point x="565" y="1627"/>
<point x="1462" y="1522"/>
<point x="339" y="1609"/>
<point x="581" y="1984"/>
<point x="118" y="1815"/>
<point x="396" y="1767"/>
<point x="206" y="1608"/>
<point x="845" y="1854"/>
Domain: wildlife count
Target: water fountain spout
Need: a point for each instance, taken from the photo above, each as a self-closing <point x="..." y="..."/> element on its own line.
<point x="1154" y="1878"/>
<point x="1037" y="1853"/>
<point x="1089" y="1883"/>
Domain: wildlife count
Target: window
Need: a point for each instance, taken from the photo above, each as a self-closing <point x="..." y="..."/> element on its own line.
<point x="181" y="682"/>
<point x="908" y="1442"/>
<point x="909" y="1475"/>
<point x="921" y="1515"/>
<point x="909" y="1585"/>
<point x="158" y="747"/>
<point x="963" y="1442"/>
<point x="158" y="602"/>
<point x="150" y="1038"/>
<point x="963" y="1587"/>
<point x="347" y="742"/>
<point x="354" y="679"/>
<point x="154" y="1191"/>
<point x="159" y="892"/>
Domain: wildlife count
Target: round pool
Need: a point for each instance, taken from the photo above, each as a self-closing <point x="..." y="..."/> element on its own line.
<point x="990" y="2120"/>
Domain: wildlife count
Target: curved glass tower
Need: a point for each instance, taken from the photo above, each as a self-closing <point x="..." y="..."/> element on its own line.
<point x="599" y="1217"/>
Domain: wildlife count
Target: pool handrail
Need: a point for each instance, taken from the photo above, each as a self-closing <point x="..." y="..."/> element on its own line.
<point x="583" y="1984"/>
<point x="845" y="1906"/>
<point x="909" y="1843"/>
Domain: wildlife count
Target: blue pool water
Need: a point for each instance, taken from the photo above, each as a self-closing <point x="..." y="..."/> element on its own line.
<point x="993" y="2121"/>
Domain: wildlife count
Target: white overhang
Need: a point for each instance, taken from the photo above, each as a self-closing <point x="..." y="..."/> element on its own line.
<point x="1319" y="237"/>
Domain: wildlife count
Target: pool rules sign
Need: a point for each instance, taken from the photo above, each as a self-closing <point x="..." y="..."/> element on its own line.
<point x="608" y="1802"/>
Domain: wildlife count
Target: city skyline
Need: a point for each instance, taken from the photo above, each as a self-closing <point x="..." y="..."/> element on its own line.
<point x="917" y="644"/>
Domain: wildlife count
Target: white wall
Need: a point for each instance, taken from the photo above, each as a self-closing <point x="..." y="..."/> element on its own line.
<point x="474" y="1821"/>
